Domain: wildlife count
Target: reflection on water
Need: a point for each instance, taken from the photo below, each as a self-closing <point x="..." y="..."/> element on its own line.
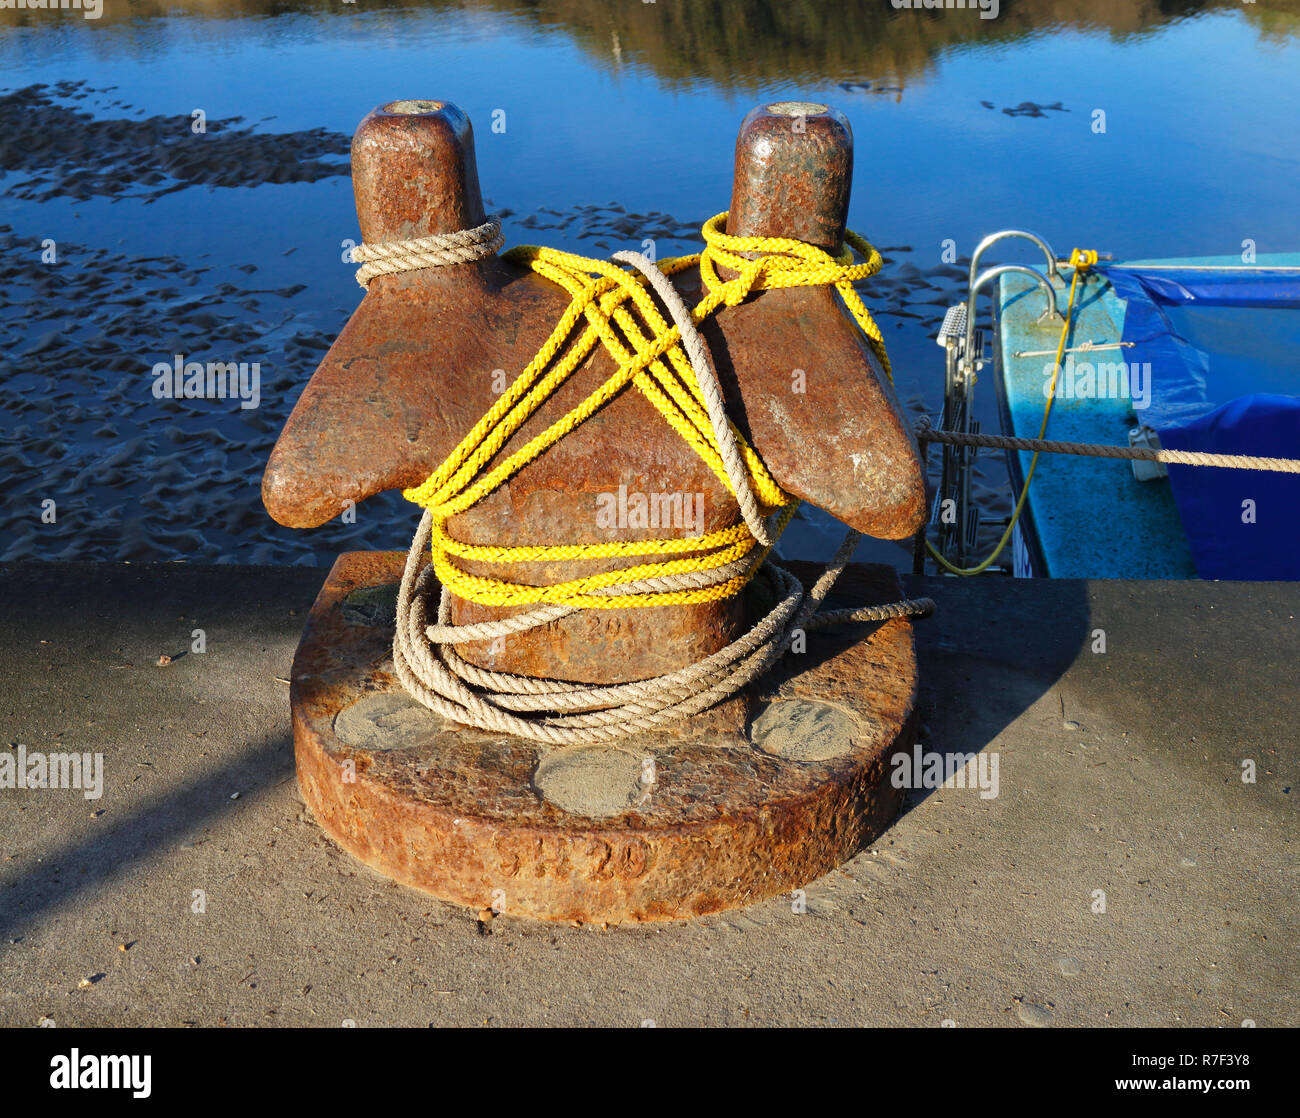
<point x="742" y="44"/>
<point x="226" y="244"/>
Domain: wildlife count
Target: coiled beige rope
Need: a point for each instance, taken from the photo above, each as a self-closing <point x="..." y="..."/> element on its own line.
<point x="439" y="250"/>
<point x="433" y="672"/>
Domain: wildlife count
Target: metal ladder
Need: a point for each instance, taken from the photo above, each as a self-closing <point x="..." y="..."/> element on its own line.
<point x="954" y="515"/>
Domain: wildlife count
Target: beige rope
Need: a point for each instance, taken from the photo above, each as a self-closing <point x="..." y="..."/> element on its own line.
<point x="925" y="433"/>
<point x="437" y="676"/>
<point x="565" y="713"/>
<point x="439" y="250"/>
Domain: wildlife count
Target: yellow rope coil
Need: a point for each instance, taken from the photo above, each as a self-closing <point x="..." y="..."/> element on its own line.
<point x="647" y="354"/>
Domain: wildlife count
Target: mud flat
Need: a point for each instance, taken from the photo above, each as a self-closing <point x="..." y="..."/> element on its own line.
<point x="65" y="151"/>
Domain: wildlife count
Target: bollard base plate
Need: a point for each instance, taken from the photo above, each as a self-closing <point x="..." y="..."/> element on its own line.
<point x="655" y="827"/>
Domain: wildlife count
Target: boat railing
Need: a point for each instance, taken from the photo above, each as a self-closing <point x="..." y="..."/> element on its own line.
<point x="1050" y="313"/>
<point x="955" y="515"/>
<point x="1024" y="234"/>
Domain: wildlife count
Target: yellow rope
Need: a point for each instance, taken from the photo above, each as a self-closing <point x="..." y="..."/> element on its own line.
<point x="647" y="354"/>
<point x="1080" y="260"/>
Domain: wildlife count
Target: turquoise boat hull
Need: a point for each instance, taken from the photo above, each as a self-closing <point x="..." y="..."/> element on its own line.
<point x="1091" y="517"/>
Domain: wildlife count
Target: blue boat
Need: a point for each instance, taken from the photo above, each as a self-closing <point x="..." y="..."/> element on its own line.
<point x="1195" y="353"/>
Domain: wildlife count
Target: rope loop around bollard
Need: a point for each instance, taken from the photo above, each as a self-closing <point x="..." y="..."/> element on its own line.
<point x="561" y="713"/>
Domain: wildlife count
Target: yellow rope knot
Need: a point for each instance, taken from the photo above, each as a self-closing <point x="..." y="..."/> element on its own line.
<point x="613" y="307"/>
<point x="1081" y="259"/>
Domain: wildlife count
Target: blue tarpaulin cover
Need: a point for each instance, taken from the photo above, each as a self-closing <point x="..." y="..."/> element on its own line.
<point x="1240" y="524"/>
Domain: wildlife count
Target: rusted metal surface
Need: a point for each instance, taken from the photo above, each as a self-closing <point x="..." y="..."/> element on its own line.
<point x="413" y="370"/>
<point x="458" y="813"/>
<point x="794" y="170"/>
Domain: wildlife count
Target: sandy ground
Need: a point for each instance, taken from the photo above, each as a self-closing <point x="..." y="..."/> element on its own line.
<point x="1119" y="771"/>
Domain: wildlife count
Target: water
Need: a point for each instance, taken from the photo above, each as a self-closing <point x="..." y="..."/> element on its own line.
<point x="223" y="256"/>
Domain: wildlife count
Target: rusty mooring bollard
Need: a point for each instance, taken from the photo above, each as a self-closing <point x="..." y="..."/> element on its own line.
<point x="764" y="793"/>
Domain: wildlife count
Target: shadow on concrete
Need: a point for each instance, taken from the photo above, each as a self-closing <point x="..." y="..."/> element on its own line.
<point x="984" y="658"/>
<point x="79" y="645"/>
<point x="156" y="828"/>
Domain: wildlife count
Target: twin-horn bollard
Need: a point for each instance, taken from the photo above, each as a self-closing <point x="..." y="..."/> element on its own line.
<point x="758" y="795"/>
